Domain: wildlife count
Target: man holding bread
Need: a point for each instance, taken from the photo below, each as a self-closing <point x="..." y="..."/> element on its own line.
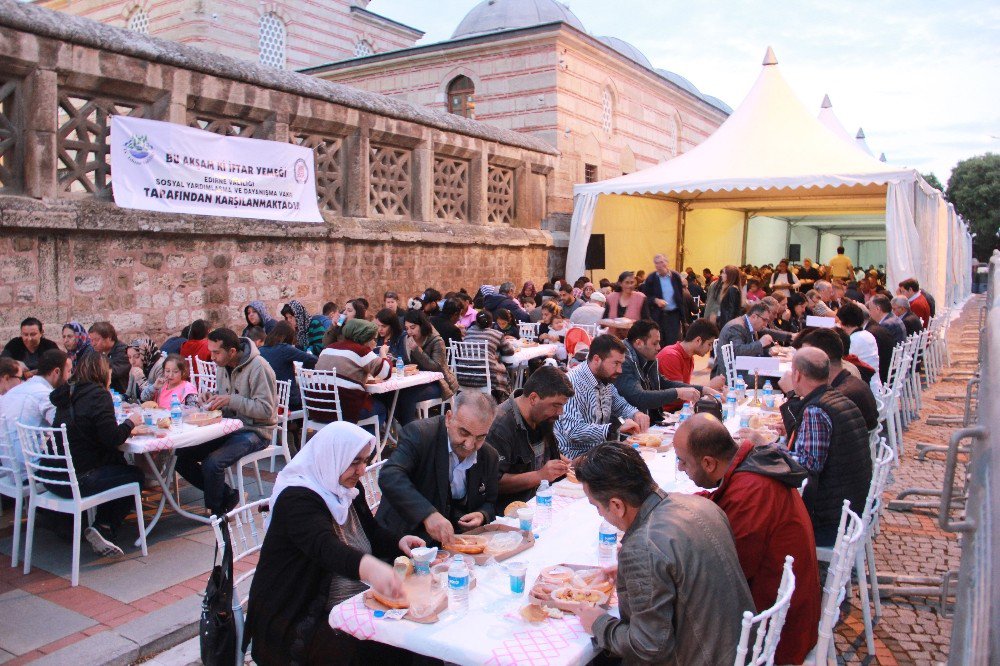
<point x="441" y="479"/>
<point x="522" y="434"/>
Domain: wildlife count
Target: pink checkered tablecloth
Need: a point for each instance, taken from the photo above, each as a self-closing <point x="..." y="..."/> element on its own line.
<point x="186" y="435"/>
<point x="396" y="383"/>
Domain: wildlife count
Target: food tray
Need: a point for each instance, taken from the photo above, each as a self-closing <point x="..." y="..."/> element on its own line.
<point x="567" y="606"/>
<point x="440" y="607"/>
<point x="200" y="424"/>
<point x="528" y="540"/>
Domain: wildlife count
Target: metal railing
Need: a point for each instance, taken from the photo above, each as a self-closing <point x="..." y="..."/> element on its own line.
<point x="977" y="598"/>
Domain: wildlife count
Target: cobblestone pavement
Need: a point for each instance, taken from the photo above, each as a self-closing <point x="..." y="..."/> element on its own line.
<point x="912" y="629"/>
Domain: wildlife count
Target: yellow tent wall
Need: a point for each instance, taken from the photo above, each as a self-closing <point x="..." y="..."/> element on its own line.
<point x="635" y="229"/>
<point x="713" y="238"/>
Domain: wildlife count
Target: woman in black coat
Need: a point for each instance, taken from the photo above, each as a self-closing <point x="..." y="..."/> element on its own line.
<point x="85" y="406"/>
<point x="730" y="295"/>
<point x="321" y="544"/>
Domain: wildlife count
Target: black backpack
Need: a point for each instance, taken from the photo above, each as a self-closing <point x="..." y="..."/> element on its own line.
<point x="217" y="631"/>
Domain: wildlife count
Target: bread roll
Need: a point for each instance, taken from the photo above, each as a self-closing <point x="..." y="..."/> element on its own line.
<point x="511" y="510"/>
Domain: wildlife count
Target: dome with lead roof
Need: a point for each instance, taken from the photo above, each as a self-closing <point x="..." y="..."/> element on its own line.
<point x="627" y="50"/>
<point x="499" y="15"/>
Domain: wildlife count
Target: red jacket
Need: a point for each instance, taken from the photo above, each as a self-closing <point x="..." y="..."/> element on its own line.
<point x="759" y="496"/>
<point x="197" y="349"/>
<point x="920" y="307"/>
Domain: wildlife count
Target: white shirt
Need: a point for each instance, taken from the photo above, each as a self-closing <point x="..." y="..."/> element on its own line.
<point x="27" y="403"/>
<point x="457" y="469"/>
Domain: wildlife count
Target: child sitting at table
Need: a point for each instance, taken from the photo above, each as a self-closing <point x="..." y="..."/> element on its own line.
<point x="173" y="381"/>
<point x="505" y="323"/>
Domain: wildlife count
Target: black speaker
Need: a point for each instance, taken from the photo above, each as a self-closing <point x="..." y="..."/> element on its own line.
<point x="794" y="252"/>
<point x="595" y="253"/>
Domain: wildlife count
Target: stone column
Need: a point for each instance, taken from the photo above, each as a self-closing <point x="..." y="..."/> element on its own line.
<point x="41" y="99"/>
<point x="422" y="207"/>
<point x="356" y="145"/>
<point x="479" y="209"/>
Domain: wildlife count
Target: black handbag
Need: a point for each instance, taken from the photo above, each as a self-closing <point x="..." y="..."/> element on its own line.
<point x="709" y="404"/>
<point x="217" y="631"/>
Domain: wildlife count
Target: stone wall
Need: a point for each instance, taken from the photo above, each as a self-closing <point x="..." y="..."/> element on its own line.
<point x="67" y="252"/>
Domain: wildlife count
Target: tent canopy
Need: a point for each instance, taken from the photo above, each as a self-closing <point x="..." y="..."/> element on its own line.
<point x="771" y="157"/>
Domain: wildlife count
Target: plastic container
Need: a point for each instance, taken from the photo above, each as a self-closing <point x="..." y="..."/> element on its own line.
<point x="730" y="404"/>
<point x="117" y="401"/>
<point x="176" y="413"/>
<point x="458" y="585"/>
<point x="400" y="367"/>
<point x="607" y="542"/>
<point x="686" y="412"/>
<point x="543" y="504"/>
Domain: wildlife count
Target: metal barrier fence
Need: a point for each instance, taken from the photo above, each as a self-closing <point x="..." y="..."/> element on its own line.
<point x="975" y="639"/>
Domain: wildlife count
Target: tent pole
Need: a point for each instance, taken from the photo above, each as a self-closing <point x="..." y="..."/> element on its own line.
<point x="746" y="233"/>
<point x="681" y="222"/>
<point x="788" y="238"/>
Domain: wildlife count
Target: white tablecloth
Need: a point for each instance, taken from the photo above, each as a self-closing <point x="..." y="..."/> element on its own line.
<point x="397" y="383"/>
<point x="186" y="435"/>
<point x="525" y="354"/>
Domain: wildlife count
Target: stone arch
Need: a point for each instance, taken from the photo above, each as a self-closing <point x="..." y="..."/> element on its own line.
<point x="610" y="107"/>
<point x="273" y="40"/>
<point x="453" y="74"/>
<point x="275" y="8"/>
<point x="130" y="7"/>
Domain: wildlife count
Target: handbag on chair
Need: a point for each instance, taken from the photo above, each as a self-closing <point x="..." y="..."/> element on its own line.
<point x="217" y="630"/>
<point x="709" y="404"/>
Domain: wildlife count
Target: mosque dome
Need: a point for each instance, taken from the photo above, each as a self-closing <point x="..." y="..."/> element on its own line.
<point x="718" y="103"/>
<point x="627" y="50"/>
<point x="680" y="81"/>
<point x="497" y="15"/>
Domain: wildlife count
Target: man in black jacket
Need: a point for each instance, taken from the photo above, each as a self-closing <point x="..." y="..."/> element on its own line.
<point x="901" y="308"/>
<point x="104" y="340"/>
<point x="665" y="291"/>
<point x="829" y="341"/>
<point x="441" y="478"/>
<point x="640" y="382"/>
<point x="29" y="347"/>
<point x="504" y="299"/>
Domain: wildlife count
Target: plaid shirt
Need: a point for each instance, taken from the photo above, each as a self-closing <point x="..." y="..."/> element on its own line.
<point x="811" y="441"/>
<point x="586" y="419"/>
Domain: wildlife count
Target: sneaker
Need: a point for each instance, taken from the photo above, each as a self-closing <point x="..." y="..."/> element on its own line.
<point x="102" y="546"/>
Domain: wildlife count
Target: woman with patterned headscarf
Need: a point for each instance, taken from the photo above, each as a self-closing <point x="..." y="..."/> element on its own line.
<point x="256" y="314"/>
<point x="76" y="341"/>
<point x="296" y="315"/>
<point x="147" y="366"/>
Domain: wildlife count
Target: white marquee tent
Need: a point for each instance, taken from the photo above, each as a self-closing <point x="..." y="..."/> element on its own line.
<point x="774" y="164"/>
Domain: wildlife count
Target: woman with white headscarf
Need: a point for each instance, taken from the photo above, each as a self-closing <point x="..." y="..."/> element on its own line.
<point x="321" y="544"/>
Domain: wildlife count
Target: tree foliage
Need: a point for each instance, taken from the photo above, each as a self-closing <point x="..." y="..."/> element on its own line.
<point x="933" y="181"/>
<point x="974" y="189"/>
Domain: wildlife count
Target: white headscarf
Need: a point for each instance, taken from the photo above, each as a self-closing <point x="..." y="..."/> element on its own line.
<point x="319" y="464"/>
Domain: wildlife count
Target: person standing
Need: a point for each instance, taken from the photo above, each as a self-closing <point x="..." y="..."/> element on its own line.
<point x="665" y="290"/>
<point x="841" y="266"/>
<point x="29" y="346"/>
<point x="681" y="591"/>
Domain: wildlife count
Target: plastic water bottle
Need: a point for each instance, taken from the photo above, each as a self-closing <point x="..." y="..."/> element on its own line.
<point x="741" y="388"/>
<point x="686" y="412"/>
<point x="400" y="370"/>
<point x="176" y="414"/>
<point x="730" y="404"/>
<point x="458" y="585"/>
<point x="768" y="389"/>
<point x="116" y="399"/>
<point x="607" y="540"/>
<point x="543" y="504"/>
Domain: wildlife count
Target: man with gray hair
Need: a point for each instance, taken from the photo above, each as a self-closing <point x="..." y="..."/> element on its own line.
<point x="822" y="307"/>
<point x="664" y="289"/>
<point x="880" y="311"/>
<point x="504" y="298"/>
<point x="901" y="308"/>
<point x="826" y="435"/>
<point x="441" y="479"/>
<point x="747" y="336"/>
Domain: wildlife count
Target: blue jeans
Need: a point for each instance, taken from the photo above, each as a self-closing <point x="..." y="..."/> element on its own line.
<point x="204" y="466"/>
<point x="406" y="407"/>
<point x="110" y="514"/>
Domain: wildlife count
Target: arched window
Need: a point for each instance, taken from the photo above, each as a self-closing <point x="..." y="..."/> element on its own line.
<point x="462" y="97"/>
<point x="272" y="41"/>
<point x="138" y="21"/>
<point x="363" y="48"/>
<point x="607" y="112"/>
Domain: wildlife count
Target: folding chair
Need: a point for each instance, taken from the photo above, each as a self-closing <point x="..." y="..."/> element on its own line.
<point x="769" y="623"/>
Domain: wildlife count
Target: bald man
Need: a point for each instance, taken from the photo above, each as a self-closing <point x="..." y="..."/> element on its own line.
<point x="829" y="438"/>
<point x="757" y="488"/>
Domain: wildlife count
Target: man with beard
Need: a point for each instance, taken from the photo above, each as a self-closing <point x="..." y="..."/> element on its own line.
<point x="523" y="436"/>
<point x="596" y="412"/>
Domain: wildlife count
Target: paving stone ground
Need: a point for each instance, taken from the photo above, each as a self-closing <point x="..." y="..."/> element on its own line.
<point x="120" y="605"/>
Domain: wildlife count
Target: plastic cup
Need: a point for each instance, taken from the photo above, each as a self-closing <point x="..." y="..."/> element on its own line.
<point x="525" y="516"/>
<point x="517" y="571"/>
<point x="147" y="417"/>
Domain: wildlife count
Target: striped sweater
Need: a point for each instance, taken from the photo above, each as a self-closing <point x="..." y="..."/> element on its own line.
<point x="354" y="363"/>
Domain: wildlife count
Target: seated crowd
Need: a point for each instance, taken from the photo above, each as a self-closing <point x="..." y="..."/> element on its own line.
<point x="689" y="564"/>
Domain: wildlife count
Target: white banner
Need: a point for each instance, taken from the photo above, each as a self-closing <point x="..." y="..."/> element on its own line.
<point x="175" y="169"/>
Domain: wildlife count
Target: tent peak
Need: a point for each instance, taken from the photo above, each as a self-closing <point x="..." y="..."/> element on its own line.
<point x="770" y="58"/>
<point x="861" y="134"/>
<point x="881" y="158"/>
<point x="827" y="104"/>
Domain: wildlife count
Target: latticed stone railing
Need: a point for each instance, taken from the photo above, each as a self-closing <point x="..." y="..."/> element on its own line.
<point x="62" y="78"/>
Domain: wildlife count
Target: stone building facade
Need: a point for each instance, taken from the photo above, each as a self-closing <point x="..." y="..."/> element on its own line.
<point x="288" y="34"/>
<point x="410" y="198"/>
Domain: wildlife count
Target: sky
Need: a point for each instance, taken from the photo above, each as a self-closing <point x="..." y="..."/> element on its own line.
<point x="921" y="77"/>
